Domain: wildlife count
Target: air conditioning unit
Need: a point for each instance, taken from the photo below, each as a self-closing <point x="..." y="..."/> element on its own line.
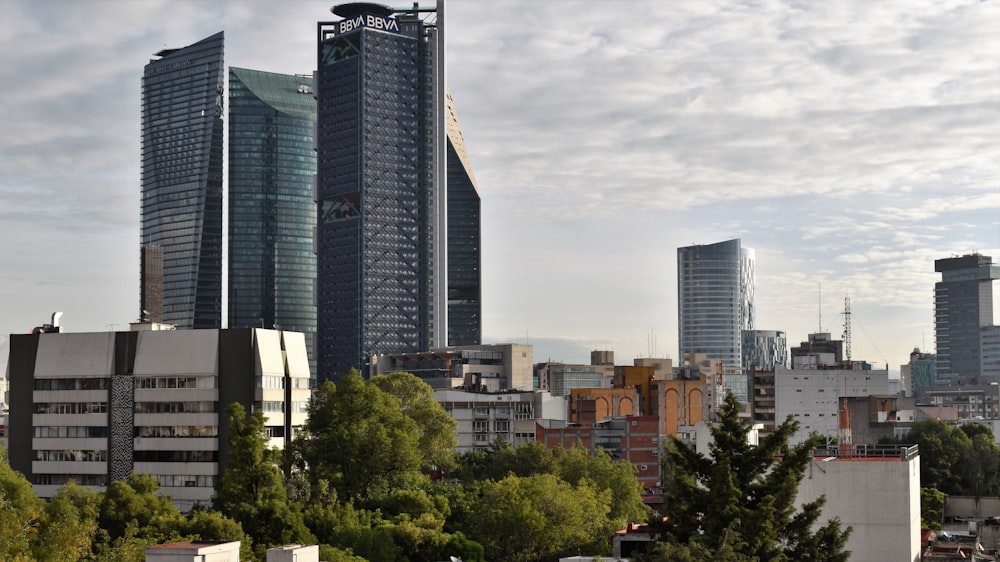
<point x="643" y="467"/>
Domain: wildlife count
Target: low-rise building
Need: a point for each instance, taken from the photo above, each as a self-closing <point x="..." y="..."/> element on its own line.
<point x="487" y="368"/>
<point x="484" y="417"/>
<point x="194" y="551"/>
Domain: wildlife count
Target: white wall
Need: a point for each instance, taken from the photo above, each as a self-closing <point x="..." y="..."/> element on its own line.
<point x="878" y="498"/>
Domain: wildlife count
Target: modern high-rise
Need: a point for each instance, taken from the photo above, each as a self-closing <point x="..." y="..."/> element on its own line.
<point x="182" y="126"/>
<point x="398" y="235"/>
<point x="963" y="308"/>
<point x="715" y="295"/>
<point x="272" y="266"/>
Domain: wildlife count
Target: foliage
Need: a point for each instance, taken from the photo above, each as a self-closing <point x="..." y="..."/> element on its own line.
<point x="961" y="461"/>
<point x="20" y="511"/>
<point x="359" y="440"/>
<point x="134" y="502"/>
<point x="577" y="465"/>
<point x="931" y="508"/>
<point x="743" y="496"/>
<point x="68" y="525"/>
<point x="540" y="517"/>
<point x="251" y="490"/>
<point x="435" y="428"/>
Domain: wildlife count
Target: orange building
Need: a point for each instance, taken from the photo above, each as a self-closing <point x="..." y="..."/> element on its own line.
<point x="683" y="402"/>
<point x="591" y="405"/>
<point x="642" y="379"/>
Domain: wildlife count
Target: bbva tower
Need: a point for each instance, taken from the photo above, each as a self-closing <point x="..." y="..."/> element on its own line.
<point x="398" y="229"/>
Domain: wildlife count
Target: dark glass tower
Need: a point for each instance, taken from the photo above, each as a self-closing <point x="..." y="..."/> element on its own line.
<point x="390" y="177"/>
<point x="182" y="130"/>
<point x="963" y="306"/>
<point x="272" y="266"/>
<point x="715" y="290"/>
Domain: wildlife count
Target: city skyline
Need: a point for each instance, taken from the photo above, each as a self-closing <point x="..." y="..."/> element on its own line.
<point x="850" y="145"/>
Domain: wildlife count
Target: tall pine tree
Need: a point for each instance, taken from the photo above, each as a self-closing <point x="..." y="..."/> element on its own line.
<point x="740" y="500"/>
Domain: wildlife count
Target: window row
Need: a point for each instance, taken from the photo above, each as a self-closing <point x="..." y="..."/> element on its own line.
<point x="177" y="431"/>
<point x="71" y="408"/>
<point x="72" y="384"/>
<point x="175" y="382"/>
<point x="71" y="431"/>
<point x="72" y="455"/>
<point x="186" y="480"/>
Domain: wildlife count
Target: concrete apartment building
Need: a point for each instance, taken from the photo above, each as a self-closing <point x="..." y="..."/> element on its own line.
<point x="96" y="407"/>
<point x="484" y="417"/>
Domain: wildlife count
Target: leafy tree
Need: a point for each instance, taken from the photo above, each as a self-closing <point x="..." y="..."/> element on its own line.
<point x="941" y="452"/>
<point x="436" y="429"/>
<point x="251" y="490"/>
<point x="742" y="497"/>
<point x="931" y="508"/>
<point x="577" y="464"/>
<point x="20" y="511"/>
<point x="134" y="502"/>
<point x="539" y="517"/>
<point x="359" y="440"/>
<point x="68" y="525"/>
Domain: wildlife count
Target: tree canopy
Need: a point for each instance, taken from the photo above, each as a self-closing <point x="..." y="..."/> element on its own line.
<point x="741" y="498"/>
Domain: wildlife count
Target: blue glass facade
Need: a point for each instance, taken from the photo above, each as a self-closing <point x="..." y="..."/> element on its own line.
<point x="272" y="266"/>
<point x="715" y="293"/>
<point x="387" y="275"/>
<point x="182" y="127"/>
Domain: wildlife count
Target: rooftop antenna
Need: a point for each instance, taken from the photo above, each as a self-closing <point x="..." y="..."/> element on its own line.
<point x="847" y="326"/>
<point x="820" y="307"/>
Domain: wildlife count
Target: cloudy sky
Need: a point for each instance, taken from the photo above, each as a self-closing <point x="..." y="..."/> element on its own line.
<point x="849" y="143"/>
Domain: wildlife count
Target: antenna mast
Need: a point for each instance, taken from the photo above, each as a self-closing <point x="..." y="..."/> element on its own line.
<point x="847" y="326"/>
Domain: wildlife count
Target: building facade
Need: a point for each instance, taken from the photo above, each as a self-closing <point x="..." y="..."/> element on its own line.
<point x="715" y="298"/>
<point x="182" y="130"/>
<point x="919" y="373"/>
<point x="484" y="368"/>
<point x="813" y="397"/>
<point x="963" y="307"/>
<point x="392" y="171"/>
<point x="511" y="417"/>
<point x="272" y="266"/>
<point x="96" y="407"/>
<point x="763" y="349"/>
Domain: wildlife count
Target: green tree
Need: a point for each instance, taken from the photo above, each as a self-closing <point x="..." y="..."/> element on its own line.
<point x="20" y="511"/>
<point x="251" y="490"/>
<point x="135" y="502"/>
<point x="436" y="429"/>
<point x="943" y="452"/>
<point x="538" y="518"/>
<point x="68" y="525"/>
<point x="742" y="497"/>
<point x="359" y="440"/>
<point x="576" y="465"/>
<point x="931" y="508"/>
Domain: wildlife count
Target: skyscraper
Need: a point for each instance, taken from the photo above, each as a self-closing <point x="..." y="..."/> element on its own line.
<point x="392" y="173"/>
<point x="182" y="113"/>
<point x="963" y="307"/>
<point x="715" y="290"/>
<point x="272" y="266"/>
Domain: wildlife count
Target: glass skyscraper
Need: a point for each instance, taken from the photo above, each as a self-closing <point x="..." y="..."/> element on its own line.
<point x="715" y="294"/>
<point x="182" y="120"/>
<point x="272" y="266"/>
<point x="397" y="234"/>
<point x="963" y="309"/>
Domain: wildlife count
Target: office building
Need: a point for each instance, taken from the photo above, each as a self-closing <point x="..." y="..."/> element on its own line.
<point x="485" y="417"/>
<point x="397" y="238"/>
<point x="272" y="266"/>
<point x="715" y="295"/>
<point x="920" y="373"/>
<point x="96" y="407"/>
<point x="963" y="307"/>
<point x="763" y="349"/>
<point x="182" y="120"/>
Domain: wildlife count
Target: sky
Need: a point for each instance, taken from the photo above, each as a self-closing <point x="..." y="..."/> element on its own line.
<point x="850" y="144"/>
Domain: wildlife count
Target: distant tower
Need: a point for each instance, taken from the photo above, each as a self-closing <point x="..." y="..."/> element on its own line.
<point x="151" y="294"/>
<point x="715" y="294"/>
<point x="182" y="113"/>
<point x="963" y="307"/>
<point x="398" y="230"/>
<point x="272" y="266"/>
